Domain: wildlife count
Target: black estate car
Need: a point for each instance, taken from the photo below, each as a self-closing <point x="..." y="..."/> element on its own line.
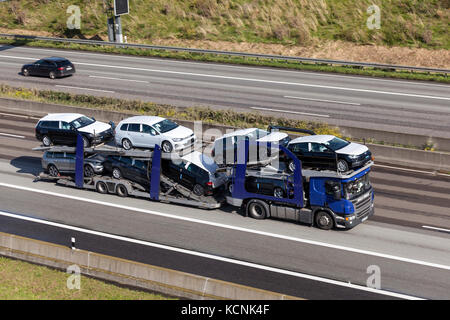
<point x="128" y="168"/>
<point x="53" y="67"/>
<point x="63" y="128"/>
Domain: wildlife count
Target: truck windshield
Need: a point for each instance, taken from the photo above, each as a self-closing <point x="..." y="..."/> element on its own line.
<point x="165" y="126"/>
<point x="357" y="187"/>
<point x="336" y="144"/>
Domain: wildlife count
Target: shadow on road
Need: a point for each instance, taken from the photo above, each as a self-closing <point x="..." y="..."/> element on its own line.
<point x="26" y="164"/>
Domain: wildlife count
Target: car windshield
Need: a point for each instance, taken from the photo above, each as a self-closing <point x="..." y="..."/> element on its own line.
<point x="257" y="134"/>
<point x="165" y="126"/>
<point x="82" y="122"/>
<point x="336" y="144"/>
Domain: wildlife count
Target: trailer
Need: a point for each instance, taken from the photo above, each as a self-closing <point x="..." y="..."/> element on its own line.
<point x="324" y="198"/>
<point x="161" y="189"/>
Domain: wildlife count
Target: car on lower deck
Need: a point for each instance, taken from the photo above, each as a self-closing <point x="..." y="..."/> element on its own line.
<point x="135" y="170"/>
<point x="56" y="163"/>
<point x="53" y="67"/>
<point x="197" y="172"/>
<point x="63" y="129"/>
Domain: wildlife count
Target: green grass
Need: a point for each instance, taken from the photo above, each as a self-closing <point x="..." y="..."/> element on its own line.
<point x="25" y="281"/>
<point x="205" y="114"/>
<point x="415" y="23"/>
<point x="372" y="72"/>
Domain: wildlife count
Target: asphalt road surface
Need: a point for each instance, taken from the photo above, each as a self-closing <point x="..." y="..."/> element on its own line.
<point x="399" y="106"/>
<point x="275" y="255"/>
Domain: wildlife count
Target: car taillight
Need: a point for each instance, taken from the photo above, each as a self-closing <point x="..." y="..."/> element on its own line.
<point x="210" y="184"/>
<point x="61" y="68"/>
<point x="213" y="152"/>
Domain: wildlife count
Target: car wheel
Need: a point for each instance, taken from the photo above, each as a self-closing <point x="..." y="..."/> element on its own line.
<point x="101" y="187"/>
<point x="324" y="220"/>
<point x="86" y="143"/>
<point x="46" y="141"/>
<point x="291" y="166"/>
<point x="88" y="171"/>
<point x="25" y="72"/>
<point x="198" y="190"/>
<point x="342" y="166"/>
<point x="52" y="75"/>
<point x="166" y="146"/>
<point x="278" y="192"/>
<point x="53" y="171"/>
<point x="126" y="144"/>
<point x="230" y="188"/>
<point x="257" y="209"/>
<point x="121" y="190"/>
<point x="116" y="173"/>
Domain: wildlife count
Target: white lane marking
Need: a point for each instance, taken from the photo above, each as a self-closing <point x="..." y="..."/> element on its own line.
<point x="121" y="79"/>
<point x="265" y="81"/>
<point x="88" y="89"/>
<point x="210" y="256"/>
<point x="319" y="100"/>
<point x="437" y="229"/>
<point x="11" y="135"/>
<point x="230" y="227"/>
<point x="317" y="74"/>
<point x="18" y="115"/>
<point x="293" y="112"/>
<point x="255" y="80"/>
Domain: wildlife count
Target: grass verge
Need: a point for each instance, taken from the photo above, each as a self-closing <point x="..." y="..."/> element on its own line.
<point x="372" y="72"/>
<point x="21" y="280"/>
<point x="205" y="114"/>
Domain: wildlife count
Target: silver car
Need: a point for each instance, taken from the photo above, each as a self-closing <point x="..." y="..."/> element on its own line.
<point x="56" y="162"/>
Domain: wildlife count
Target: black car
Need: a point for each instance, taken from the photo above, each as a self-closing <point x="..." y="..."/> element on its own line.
<point x="279" y="186"/>
<point x="197" y="172"/>
<point x="134" y="170"/>
<point x="63" y="128"/>
<point x="329" y="152"/>
<point x="53" y="67"/>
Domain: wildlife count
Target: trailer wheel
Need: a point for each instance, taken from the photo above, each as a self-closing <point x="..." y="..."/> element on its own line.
<point x="324" y="220"/>
<point x="122" y="191"/>
<point x="257" y="209"/>
<point x="101" y="187"/>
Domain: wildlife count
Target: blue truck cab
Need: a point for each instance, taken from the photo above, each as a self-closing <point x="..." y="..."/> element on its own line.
<point x="324" y="198"/>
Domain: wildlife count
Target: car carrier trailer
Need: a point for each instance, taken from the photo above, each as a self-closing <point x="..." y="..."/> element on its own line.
<point x="161" y="188"/>
<point x="323" y="198"/>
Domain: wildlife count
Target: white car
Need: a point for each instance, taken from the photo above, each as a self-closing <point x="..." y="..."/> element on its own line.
<point x="148" y="131"/>
<point x="225" y="148"/>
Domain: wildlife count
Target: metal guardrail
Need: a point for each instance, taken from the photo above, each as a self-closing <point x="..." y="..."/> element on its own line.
<point x="234" y="53"/>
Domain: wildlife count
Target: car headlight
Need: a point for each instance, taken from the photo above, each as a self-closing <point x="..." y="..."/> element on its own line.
<point x="177" y="139"/>
<point x="353" y="156"/>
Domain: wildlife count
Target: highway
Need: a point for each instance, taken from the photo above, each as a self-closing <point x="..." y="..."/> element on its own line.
<point x="395" y="105"/>
<point x="280" y="256"/>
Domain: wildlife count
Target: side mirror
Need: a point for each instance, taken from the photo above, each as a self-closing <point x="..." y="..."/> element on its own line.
<point x="112" y="124"/>
<point x="337" y="193"/>
<point x="153" y="132"/>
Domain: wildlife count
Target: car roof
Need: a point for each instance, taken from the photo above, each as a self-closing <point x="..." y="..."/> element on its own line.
<point x="62" y="117"/>
<point x="242" y="132"/>
<point x="201" y="160"/>
<point x="150" y="120"/>
<point x="319" y="138"/>
<point x="56" y="59"/>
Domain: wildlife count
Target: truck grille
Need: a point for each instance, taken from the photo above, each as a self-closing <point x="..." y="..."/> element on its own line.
<point x="362" y="207"/>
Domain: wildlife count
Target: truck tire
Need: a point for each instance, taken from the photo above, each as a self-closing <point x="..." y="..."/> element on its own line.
<point x="257" y="209"/>
<point x="324" y="220"/>
<point x="101" y="187"/>
<point x="122" y="191"/>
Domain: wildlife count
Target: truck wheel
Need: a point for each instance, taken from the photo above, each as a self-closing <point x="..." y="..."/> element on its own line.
<point x="257" y="209"/>
<point x="324" y="220"/>
<point x="101" y="187"/>
<point x="122" y="191"/>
